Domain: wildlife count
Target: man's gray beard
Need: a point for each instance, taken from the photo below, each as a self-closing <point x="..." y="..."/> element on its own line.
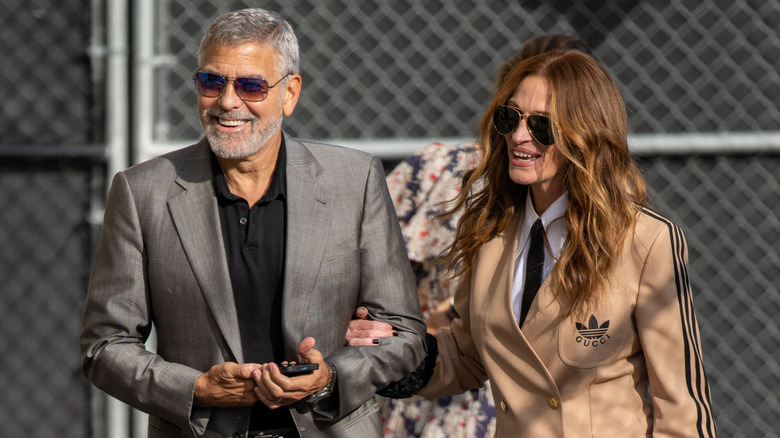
<point x="223" y="147"/>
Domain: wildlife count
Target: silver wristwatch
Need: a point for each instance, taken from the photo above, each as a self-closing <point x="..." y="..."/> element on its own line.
<point x="326" y="391"/>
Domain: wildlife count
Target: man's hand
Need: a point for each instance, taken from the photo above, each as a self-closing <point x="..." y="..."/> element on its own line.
<point x="226" y="385"/>
<point x="275" y="389"/>
<point x="364" y="332"/>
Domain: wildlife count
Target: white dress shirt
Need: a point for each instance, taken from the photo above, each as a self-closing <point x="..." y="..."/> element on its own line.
<point x="555" y="236"/>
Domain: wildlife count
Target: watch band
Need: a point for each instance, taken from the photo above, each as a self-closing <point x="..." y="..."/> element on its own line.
<point x="327" y="390"/>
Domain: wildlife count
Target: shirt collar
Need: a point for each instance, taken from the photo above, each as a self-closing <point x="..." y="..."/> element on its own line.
<point x="277" y="189"/>
<point x="553" y="212"/>
<point x="550" y="217"/>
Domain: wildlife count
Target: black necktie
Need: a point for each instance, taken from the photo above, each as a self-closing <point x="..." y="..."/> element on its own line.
<point x="533" y="268"/>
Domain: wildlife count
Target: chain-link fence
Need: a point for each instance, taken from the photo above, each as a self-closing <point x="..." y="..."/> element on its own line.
<point x="408" y="68"/>
<point x="47" y="173"/>
<point x="400" y="69"/>
<point x="728" y="208"/>
<point x="45" y="252"/>
<point x="45" y="76"/>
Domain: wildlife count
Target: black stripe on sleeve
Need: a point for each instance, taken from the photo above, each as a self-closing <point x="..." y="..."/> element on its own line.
<point x="698" y="388"/>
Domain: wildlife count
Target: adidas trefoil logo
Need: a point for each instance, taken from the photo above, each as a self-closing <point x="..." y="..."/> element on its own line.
<point x="594" y="334"/>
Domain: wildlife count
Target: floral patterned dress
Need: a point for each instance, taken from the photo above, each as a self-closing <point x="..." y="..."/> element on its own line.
<point x="421" y="187"/>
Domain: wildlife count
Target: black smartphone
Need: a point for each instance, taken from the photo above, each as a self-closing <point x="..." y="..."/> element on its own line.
<point x="295" y="370"/>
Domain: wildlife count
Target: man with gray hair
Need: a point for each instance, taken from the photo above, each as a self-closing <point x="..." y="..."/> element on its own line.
<point x="243" y="251"/>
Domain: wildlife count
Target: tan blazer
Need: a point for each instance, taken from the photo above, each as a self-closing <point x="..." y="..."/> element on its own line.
<point x="161" y="262"/>
<point x="629" y="367"/>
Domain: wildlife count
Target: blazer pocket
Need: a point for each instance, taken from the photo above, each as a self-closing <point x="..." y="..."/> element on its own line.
<point x="364" y="421"/>
<point x="601" y="336"/>
<point x="159" y="427"/>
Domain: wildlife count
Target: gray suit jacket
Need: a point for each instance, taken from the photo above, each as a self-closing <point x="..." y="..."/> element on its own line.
<point x="161" y="262"/>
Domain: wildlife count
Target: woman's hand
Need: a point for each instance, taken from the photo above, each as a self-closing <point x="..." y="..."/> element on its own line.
<point x="362" y="332"/>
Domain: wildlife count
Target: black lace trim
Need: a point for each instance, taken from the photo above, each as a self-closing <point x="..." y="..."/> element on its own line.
<point x="413" y="382"/>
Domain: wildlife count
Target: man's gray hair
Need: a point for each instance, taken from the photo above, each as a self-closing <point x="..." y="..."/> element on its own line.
<point x="255" y="26"/>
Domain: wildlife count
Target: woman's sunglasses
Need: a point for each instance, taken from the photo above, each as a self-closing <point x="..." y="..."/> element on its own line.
<point x="507" y="118"/>
<point x="248" y="89"/>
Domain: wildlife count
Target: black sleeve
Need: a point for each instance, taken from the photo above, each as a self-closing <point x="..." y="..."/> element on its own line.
<point x="413" y="382"/>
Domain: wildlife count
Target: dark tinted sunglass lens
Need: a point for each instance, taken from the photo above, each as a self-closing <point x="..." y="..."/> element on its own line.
<point x="505" y="119"/>
<point x="251" y="88"/>
<point x="209" y="85"/>
<point x="540" y="128"/>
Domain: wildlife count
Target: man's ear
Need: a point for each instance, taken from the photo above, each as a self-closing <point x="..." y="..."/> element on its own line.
<point x="292" y="91"/>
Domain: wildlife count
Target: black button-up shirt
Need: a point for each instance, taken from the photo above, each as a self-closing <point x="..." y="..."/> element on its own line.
<point x="254" y="244"/>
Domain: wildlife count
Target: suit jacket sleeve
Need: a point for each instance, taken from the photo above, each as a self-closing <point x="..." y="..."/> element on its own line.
<point x="117" y="322"/>
<point x="388" y="290"/>
<point x="458" y="365"/>
<point x="669" y="335"/>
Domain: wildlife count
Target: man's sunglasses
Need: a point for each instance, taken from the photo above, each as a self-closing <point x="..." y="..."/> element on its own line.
<point x="507" y="118"/>
<point x="248" y="89"/>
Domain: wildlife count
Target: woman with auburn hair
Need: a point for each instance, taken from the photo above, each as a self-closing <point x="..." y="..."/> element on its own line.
<point x="574" y="297"/>
<point x="587" y="157"/>
<point x="422" y="187"/>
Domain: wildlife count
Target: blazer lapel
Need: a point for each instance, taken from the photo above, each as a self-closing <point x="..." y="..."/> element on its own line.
<point x="493" y="279"/>
<point x="506" y="245"/>
<point x="194" y="212"/>
<point x="309" y="213"/>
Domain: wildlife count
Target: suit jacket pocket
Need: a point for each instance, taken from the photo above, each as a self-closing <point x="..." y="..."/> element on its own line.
<point x="364" y="421"/>
<point x="600" y="336"/>
<point x="159" y="427"/>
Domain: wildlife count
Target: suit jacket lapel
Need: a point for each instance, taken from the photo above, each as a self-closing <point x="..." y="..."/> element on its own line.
<point x="505" y="247"/>
<point x="494" y="280"/>
<point x="194" y="212"/>
<point x="309" y="212"/>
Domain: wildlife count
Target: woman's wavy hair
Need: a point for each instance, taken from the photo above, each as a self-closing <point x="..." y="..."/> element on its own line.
<point x="606" y="189"/>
